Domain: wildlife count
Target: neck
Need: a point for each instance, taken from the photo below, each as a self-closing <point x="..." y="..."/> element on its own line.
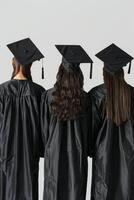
<point x="20" y="76"/>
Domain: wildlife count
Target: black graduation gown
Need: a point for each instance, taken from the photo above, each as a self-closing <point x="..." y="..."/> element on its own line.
<point x="20" y="139"/>
<point x="113" y="153"/>
<point x="66" y="151"/>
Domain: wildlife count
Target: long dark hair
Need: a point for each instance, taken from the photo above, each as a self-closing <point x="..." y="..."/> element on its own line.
<point x="118" y="97"/>
<point x="67" y="95"/>
<point x="26" y="69"/>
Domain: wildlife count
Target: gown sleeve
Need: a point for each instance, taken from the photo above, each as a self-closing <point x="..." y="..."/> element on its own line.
<point x="88" y="126"/>
<point x="94" y="121"/>
<point x="1" y="108"/>
<point x="44" y="118"/>
<point x="41" y="142"/>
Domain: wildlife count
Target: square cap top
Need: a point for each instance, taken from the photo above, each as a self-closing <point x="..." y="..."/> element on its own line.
<point x="74" y="54"/>
<point x="114" y="58"/>
<point x="25" y="51"/>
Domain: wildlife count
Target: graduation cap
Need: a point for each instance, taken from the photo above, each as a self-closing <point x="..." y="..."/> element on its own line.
<point x="73" y="55"/>
<point x="114" y="58"/>
<point x="26" y="52"/>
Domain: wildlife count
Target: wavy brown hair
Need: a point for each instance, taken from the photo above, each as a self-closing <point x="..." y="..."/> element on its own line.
<point x="26" y="69"/>
<point x="118" y="97"/>
<point x="68" y="93"/>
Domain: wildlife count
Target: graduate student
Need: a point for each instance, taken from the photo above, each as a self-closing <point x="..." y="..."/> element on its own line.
<point x="21" y="143"/>
<point x="65" y="128"/>
<point x="113" y="129"/>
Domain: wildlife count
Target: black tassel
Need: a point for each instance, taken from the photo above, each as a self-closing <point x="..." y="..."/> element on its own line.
<point x="42" y="70"/>
<point x="91" y="70"/>
<point x="129" y="68"/>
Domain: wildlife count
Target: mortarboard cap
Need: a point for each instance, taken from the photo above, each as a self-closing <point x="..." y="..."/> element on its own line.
<point x="74" y="55"/>
<point x="26" y="52"/>
<point x="114" y="58"/>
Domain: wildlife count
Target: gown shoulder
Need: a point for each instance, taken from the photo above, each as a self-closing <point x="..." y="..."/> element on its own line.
<point x="21" y="88"/>
<point x="97" y="92"/>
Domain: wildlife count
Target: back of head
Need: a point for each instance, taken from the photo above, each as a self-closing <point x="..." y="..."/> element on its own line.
<point x="25" y="70"/>
<point x="67" y="95"/>
<point x="118" y="97"/>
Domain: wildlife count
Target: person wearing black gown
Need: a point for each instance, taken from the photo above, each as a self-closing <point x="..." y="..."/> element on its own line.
<point x="112" y="125"/>
<point x="64" y="119"/>
<point x="21" y="143"/>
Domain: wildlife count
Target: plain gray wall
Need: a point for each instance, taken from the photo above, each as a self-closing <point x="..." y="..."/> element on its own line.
<point x="94" y="24"/>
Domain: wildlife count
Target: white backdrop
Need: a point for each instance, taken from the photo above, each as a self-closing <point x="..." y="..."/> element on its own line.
<point x="94" y="24"/>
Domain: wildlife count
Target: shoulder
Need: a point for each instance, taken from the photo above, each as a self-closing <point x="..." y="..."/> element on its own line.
<point x="86" y="103"/>
<point x="5" y="84"/>
<point x="34" y="89"/>
<point x="37" y="87"/>
<point x="48" y="95"/>
<point x="22" y="88"/>
<point x="50" y="91"/>
<point x="85" y="93"/>
<point x="97" y="96"/>
<point x="85" y="97"/>
<point x="97" y="91"/>
<point x="4" y="87"/>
